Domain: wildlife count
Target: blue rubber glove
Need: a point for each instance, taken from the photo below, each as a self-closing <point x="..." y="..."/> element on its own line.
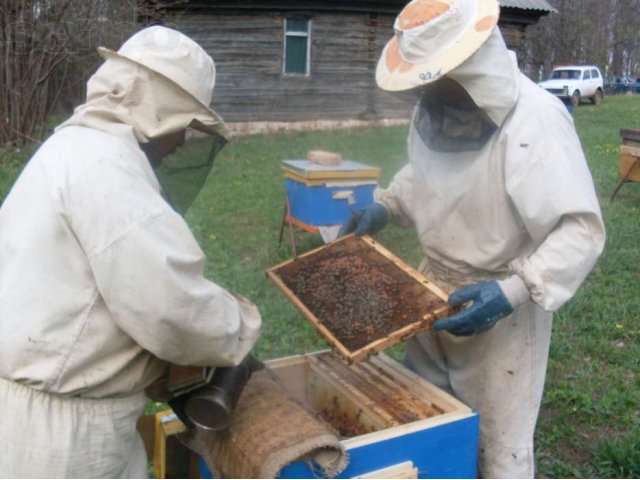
<point x="369" y="220"/>
<point x="489" y="305"/>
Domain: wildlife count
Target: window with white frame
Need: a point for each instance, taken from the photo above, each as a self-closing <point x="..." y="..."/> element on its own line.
<point x="297" y="33"/>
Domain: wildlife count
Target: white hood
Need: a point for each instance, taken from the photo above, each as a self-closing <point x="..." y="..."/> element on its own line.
<point x="491" y="78"/>
<point x="133" y="102"/>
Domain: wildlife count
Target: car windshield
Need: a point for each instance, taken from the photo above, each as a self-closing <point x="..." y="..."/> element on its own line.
<point x="566" y="74"/>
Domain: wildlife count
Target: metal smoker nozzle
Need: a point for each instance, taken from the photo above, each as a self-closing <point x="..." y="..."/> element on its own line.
<point x="211" y="406"/>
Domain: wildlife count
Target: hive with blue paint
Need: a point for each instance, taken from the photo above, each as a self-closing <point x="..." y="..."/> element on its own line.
<point x="391" y="422"/>
<point x="321" y="195"/>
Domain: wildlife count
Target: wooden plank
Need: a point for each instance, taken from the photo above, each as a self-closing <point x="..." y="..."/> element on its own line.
<point x="630" y="142"/>
<point x="357" y="398"/>
<point x="374" y="396"/>
<point x="159" y="448"/>
<point x="411" y="399"/>
<point x="630" y="150"/>
<point x="273" y="270"/>
<point x="629" y="167"/>
<point x="347" y="169"/>
<point x="292" y="360"/>
<point x="178" y="458"/>
<point x="331" y="182"/>
<point x="400" y="470"/>
<point x="630" y="136"/>
<point x="399" y="405"/>
<point x="146" y="428"/>
<point x="336" y="405"/>
<point x="387" y="371"/>
<point x="293" y="373"/>
<point x="301" y="225"/>
<point x="166" y="425"/>
<point x="419" y="385"/>
<point x="399" y="335"/>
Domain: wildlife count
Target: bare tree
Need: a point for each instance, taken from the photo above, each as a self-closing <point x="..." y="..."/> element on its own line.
<point x="47" y="51"/>
<point x="625" y="39"/>
<point x="601" y="32"/>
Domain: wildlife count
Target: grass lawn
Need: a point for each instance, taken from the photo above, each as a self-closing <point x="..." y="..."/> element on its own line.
<point x="590" y="420"/>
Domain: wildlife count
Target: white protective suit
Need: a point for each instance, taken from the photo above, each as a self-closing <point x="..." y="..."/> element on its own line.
<point x="101" y="284"/>
<point x="520" y="209"/>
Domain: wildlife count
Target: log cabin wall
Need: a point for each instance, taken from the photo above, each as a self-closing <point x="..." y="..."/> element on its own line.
<point x="513" y="26"/>
<point x="248" y="51"/>
<point x="247" y="45"/>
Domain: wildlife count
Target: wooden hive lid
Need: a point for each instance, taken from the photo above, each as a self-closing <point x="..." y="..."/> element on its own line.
<point x="347" y="169"/>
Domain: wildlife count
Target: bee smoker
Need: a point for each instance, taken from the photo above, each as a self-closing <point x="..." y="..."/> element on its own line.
<point x="211" y="406"/>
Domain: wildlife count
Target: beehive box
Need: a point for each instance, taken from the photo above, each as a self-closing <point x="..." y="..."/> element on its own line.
<point x="359" y="296"/>
<point x="630" y="155"/>
<point x="326" y="195"/>
<point x="392" y="423"/>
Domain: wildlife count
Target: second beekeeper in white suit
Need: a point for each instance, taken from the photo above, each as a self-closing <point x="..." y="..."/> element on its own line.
<point x="504" y="204"/>
<point x="101" y="280"/>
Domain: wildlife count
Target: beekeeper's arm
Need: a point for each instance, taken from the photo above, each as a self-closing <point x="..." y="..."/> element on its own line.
<point x="397" y="197"/>
<point x="390" y="202"/>
<point x="151" y="279"/>
<point x="552" y="192"/>
<point x="554" y="195"/>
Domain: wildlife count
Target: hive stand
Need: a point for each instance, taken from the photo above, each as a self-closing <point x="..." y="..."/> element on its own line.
<point x="293" y="224"/>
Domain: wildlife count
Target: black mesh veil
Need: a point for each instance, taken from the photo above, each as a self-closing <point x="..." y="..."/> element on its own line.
<point x="183" y="174"/>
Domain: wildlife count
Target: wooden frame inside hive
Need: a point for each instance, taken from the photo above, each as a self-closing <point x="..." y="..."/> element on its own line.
<point x="363" y="398"/>
<point x="360" y="296"/>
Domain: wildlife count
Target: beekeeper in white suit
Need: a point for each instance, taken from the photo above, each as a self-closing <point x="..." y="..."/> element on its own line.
<point x="101" y="281"/>
<point x="504" y="205"/>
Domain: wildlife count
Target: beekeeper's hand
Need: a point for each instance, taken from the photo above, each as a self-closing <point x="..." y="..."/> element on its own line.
<point x="369" y="220"/>
<point x="492" y="301"/>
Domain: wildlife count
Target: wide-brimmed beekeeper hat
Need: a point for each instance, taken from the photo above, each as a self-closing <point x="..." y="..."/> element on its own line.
<point x="175" y="58"/>
<point x="432" y="37"/>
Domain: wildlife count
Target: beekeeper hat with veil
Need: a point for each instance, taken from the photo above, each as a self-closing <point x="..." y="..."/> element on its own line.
<point x="450" y="55"/>
<point x="158" y="83"/>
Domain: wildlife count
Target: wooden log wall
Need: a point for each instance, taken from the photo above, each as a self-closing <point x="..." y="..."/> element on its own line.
<point x="250" y="86"/>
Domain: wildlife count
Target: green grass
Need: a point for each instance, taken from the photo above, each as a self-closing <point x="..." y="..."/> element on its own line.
<point x="590" y="418"/>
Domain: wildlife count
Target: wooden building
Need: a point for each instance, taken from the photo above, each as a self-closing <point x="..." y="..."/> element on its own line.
<point x="309" y="63"/>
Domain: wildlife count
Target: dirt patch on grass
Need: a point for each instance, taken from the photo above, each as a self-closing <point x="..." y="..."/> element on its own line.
<point x="561" y="440"/>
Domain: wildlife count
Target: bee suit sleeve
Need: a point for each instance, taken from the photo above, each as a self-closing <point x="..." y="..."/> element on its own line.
<point x="554" y="196"/>
<point x="151" y="279"/>
<point x="554" y="228"/>
<point x="398" y="196"/>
